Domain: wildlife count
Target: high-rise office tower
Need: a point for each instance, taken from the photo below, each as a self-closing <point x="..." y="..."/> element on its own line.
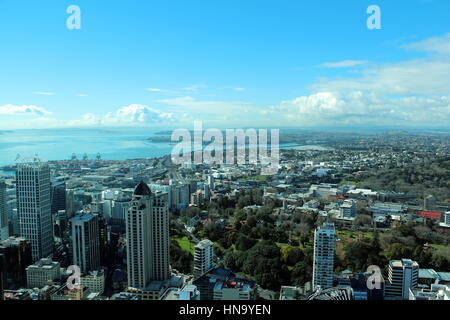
<point x="323" y="265"/>
<point x="104" y="240"/>
<point x="86" y="242"/>
<point x="203" y="257"/>
<point x="3" y="212"/>
<point x="403" y="275"/>
<point x="147" y="228"/>
<point x="34" y="207"/>
<point x="207" y="192"/>
<point x="58" y="195"/>
<point x="70" y="203"/>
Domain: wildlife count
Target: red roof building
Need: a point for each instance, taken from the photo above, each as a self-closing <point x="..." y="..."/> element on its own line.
<point x="429" y="214"/>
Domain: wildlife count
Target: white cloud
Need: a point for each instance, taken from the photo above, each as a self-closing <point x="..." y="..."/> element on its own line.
<point x="134" y="114"/>
<point x="87" y="120"/>
<point x="44" y="93"/>
<point x="358" y="107"/>
<point x="10" y="109"/>
<point x="205" y="107"/>
<point x="193" y="88"/>
<point x="439" y="45"/>
<point x="416" y="77"/>
<point x="414" y="92"/>
<point x="343" y="64"/>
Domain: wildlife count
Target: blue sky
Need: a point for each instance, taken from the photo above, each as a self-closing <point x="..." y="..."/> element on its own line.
<point x="228" y="63"/>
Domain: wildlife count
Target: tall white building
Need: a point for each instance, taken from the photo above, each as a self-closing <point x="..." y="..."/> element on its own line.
<point x="323" y="264"/>
<point x="211" y="182"/>
<point x="86" y="242"/>
<point x="148" y="243"/>
<point x="4" y="234"/>
<point x="203" y="257"/>
<point x="403" y="276"/>
<point x="34" y="206"/>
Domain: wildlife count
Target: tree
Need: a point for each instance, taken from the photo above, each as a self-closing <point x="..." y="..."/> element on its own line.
<point x="244" y="243"/>
<point x="362" y="220"/>
<point x="440" y="262"/>
<point x="301" y="273"/>
<point x="251" y="221"/>
<point x="398" y="251"/>
<point x="180" y="259"/>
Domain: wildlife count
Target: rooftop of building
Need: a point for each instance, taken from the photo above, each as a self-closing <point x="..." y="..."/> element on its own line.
<point x="403" y="263"/>
<point x="237" y="284"/>
<point x="95" y="273"/>
<point x="327" y="226"/>
<point x="142" y="189"/>
<point x="13" y="241"/>
<point x="444" y="276"/>
<point x="45" y="263"/>
<point x="221" y="278"/>
<point x="204" y="244"/>
<point x="83" y="217"/>
<point x="428" y="274"/>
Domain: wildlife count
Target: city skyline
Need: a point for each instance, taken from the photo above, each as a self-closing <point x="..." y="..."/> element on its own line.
<point x="224" y="156"/>
<point x="158" y="64"/>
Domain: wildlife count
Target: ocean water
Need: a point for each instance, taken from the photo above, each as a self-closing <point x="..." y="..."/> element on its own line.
<point x="112" y="144"/>
<point x="59" y="144"/>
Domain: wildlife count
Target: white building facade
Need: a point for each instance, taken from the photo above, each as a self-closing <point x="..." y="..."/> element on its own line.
<point x="403" y="276"/>
<point x="203" y="257"/>
<point x="148" y="243"/>
<point x="323" y="264"/>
